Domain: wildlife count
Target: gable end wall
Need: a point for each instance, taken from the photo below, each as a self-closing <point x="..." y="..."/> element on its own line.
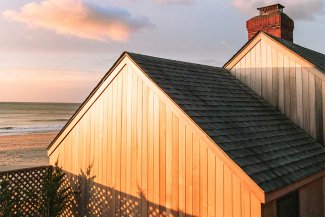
<point x="142" y="157"/>
<point x="285" y="80"/>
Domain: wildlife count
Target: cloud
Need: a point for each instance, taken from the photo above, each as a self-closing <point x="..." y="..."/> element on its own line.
<point x="73" y="17"/>
<point x="297" y="9"/>
<point x="170" y="2"/>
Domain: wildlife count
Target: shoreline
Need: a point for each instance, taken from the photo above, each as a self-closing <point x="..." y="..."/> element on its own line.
<point x="24" y="150"/>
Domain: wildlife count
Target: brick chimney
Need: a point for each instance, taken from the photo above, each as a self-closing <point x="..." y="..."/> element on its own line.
<point x="273" y="21"/>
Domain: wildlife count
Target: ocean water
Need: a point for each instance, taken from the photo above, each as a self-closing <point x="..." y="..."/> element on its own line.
<point x="25" y="118"/>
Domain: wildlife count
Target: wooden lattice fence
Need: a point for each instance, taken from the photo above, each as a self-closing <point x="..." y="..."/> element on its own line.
<point x="24" y="186"/>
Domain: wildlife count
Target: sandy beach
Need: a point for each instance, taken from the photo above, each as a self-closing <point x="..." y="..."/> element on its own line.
<point x="22" y="151"/>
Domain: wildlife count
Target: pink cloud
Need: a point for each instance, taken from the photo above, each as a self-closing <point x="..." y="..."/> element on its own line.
<point x="73" y="17"/>
<point x="297" y="9"/>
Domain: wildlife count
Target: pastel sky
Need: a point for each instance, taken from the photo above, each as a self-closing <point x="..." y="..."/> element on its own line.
<point x="57" y="50"/>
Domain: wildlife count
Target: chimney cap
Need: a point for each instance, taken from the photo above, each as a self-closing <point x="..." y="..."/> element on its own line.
<point x="270" y="8"/>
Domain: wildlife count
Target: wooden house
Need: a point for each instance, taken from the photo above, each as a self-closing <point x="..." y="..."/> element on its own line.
<point x="159" y="137"/>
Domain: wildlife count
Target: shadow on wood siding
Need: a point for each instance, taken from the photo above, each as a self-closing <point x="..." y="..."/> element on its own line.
<point x="94" y="199"/>
<point x="297" y="92"/>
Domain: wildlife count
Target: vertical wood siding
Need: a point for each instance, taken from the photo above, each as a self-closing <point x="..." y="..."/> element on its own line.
<point x="311" y="201"/>
<point x="139" y="158"/>
<point x="283" y="82"/>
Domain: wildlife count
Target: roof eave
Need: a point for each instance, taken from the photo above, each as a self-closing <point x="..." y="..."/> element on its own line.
<point x="269" y="196"/>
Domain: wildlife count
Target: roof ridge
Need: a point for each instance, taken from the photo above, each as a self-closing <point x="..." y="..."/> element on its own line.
<point x="315" y="58"/>
<point x="289" y="42"/>
<point x="171" y="60"/>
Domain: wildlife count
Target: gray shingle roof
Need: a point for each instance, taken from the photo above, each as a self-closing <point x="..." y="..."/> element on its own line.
<point x="272" y="150"/>
<point x="314" y="57"/>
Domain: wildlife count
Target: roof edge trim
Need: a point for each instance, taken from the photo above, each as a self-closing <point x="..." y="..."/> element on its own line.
<point x="241" y="49"/>
<point x="277" y="42"/>
<point x="292" y="187"/>
<point x="83" y="104"/>
<point x="258" y="34"/>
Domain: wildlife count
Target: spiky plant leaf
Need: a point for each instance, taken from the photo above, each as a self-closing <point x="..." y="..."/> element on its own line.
<point x="56" y="198"/>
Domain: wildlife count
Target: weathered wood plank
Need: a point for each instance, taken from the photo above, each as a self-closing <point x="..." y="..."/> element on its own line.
<point x="281" y="82"/>
<point x="236" y="197"/>
<point x="189" y="171"/>
<point x="114" y="146"/>
<point x="275" y="78"/>
<point x="264" y="70"/>
<point x="139" y="143"/>
<point x="85" y="156"/>
<point x="134" y="145"/>
<point x="156" y="147"/>
<point x="255" y="207"/>
<point x="196" y="176"/>
<point x="219" y="188"/>
<point x="108" y="136"/>
<point x="323" y="197"/>
<point x="245" y="202"/>
<point x="238" y="70"/>
<point x="243" y="70"/>
<point x="118" y="145"/>
<point x="203" y="180"/>
<point x="175" y="157"/>
<point x="162" y="157"/>
<point x="128" y="110"/>
<point x="305" y="100"/>
<point x="182" y="169"/>
<point x="144" y="211"/>
<point x="323" y="110"/>
<point x="269" y="74"/>
<point x="169" y="160"/>
<point x="150" y="135"/>
<point x="303" y="203"/>
<point x="123" y="145"/>
<point x="227" y="191"/>
<point x="300" y="118"/>
<point x="312" y="112"/>
<point x="100" y="141"/>
<point x="293" y="92"/>
<point x="319" y="110"/>
<point x="258" y="69"/>
<point x="233" y="71"/>
<point x="248" y="71"/>
<point x="104" y="153"/>
<point x="211" y="184"/>
<point x="252" y="69"/>
<point x="311" y="199"/>
<point x="269" y="209"/>
<point x="286" y="73"/>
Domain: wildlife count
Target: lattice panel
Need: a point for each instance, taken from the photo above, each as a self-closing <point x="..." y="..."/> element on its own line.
<point x="25" y="185"/>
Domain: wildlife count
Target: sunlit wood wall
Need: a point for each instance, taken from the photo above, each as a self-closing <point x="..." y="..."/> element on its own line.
<point x="285" y="80"/>
<point x="146" y="159"/>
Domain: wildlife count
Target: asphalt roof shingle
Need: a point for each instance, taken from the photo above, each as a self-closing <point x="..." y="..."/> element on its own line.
<point x="271" y="149"/>
<point x="314" y="57"/>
